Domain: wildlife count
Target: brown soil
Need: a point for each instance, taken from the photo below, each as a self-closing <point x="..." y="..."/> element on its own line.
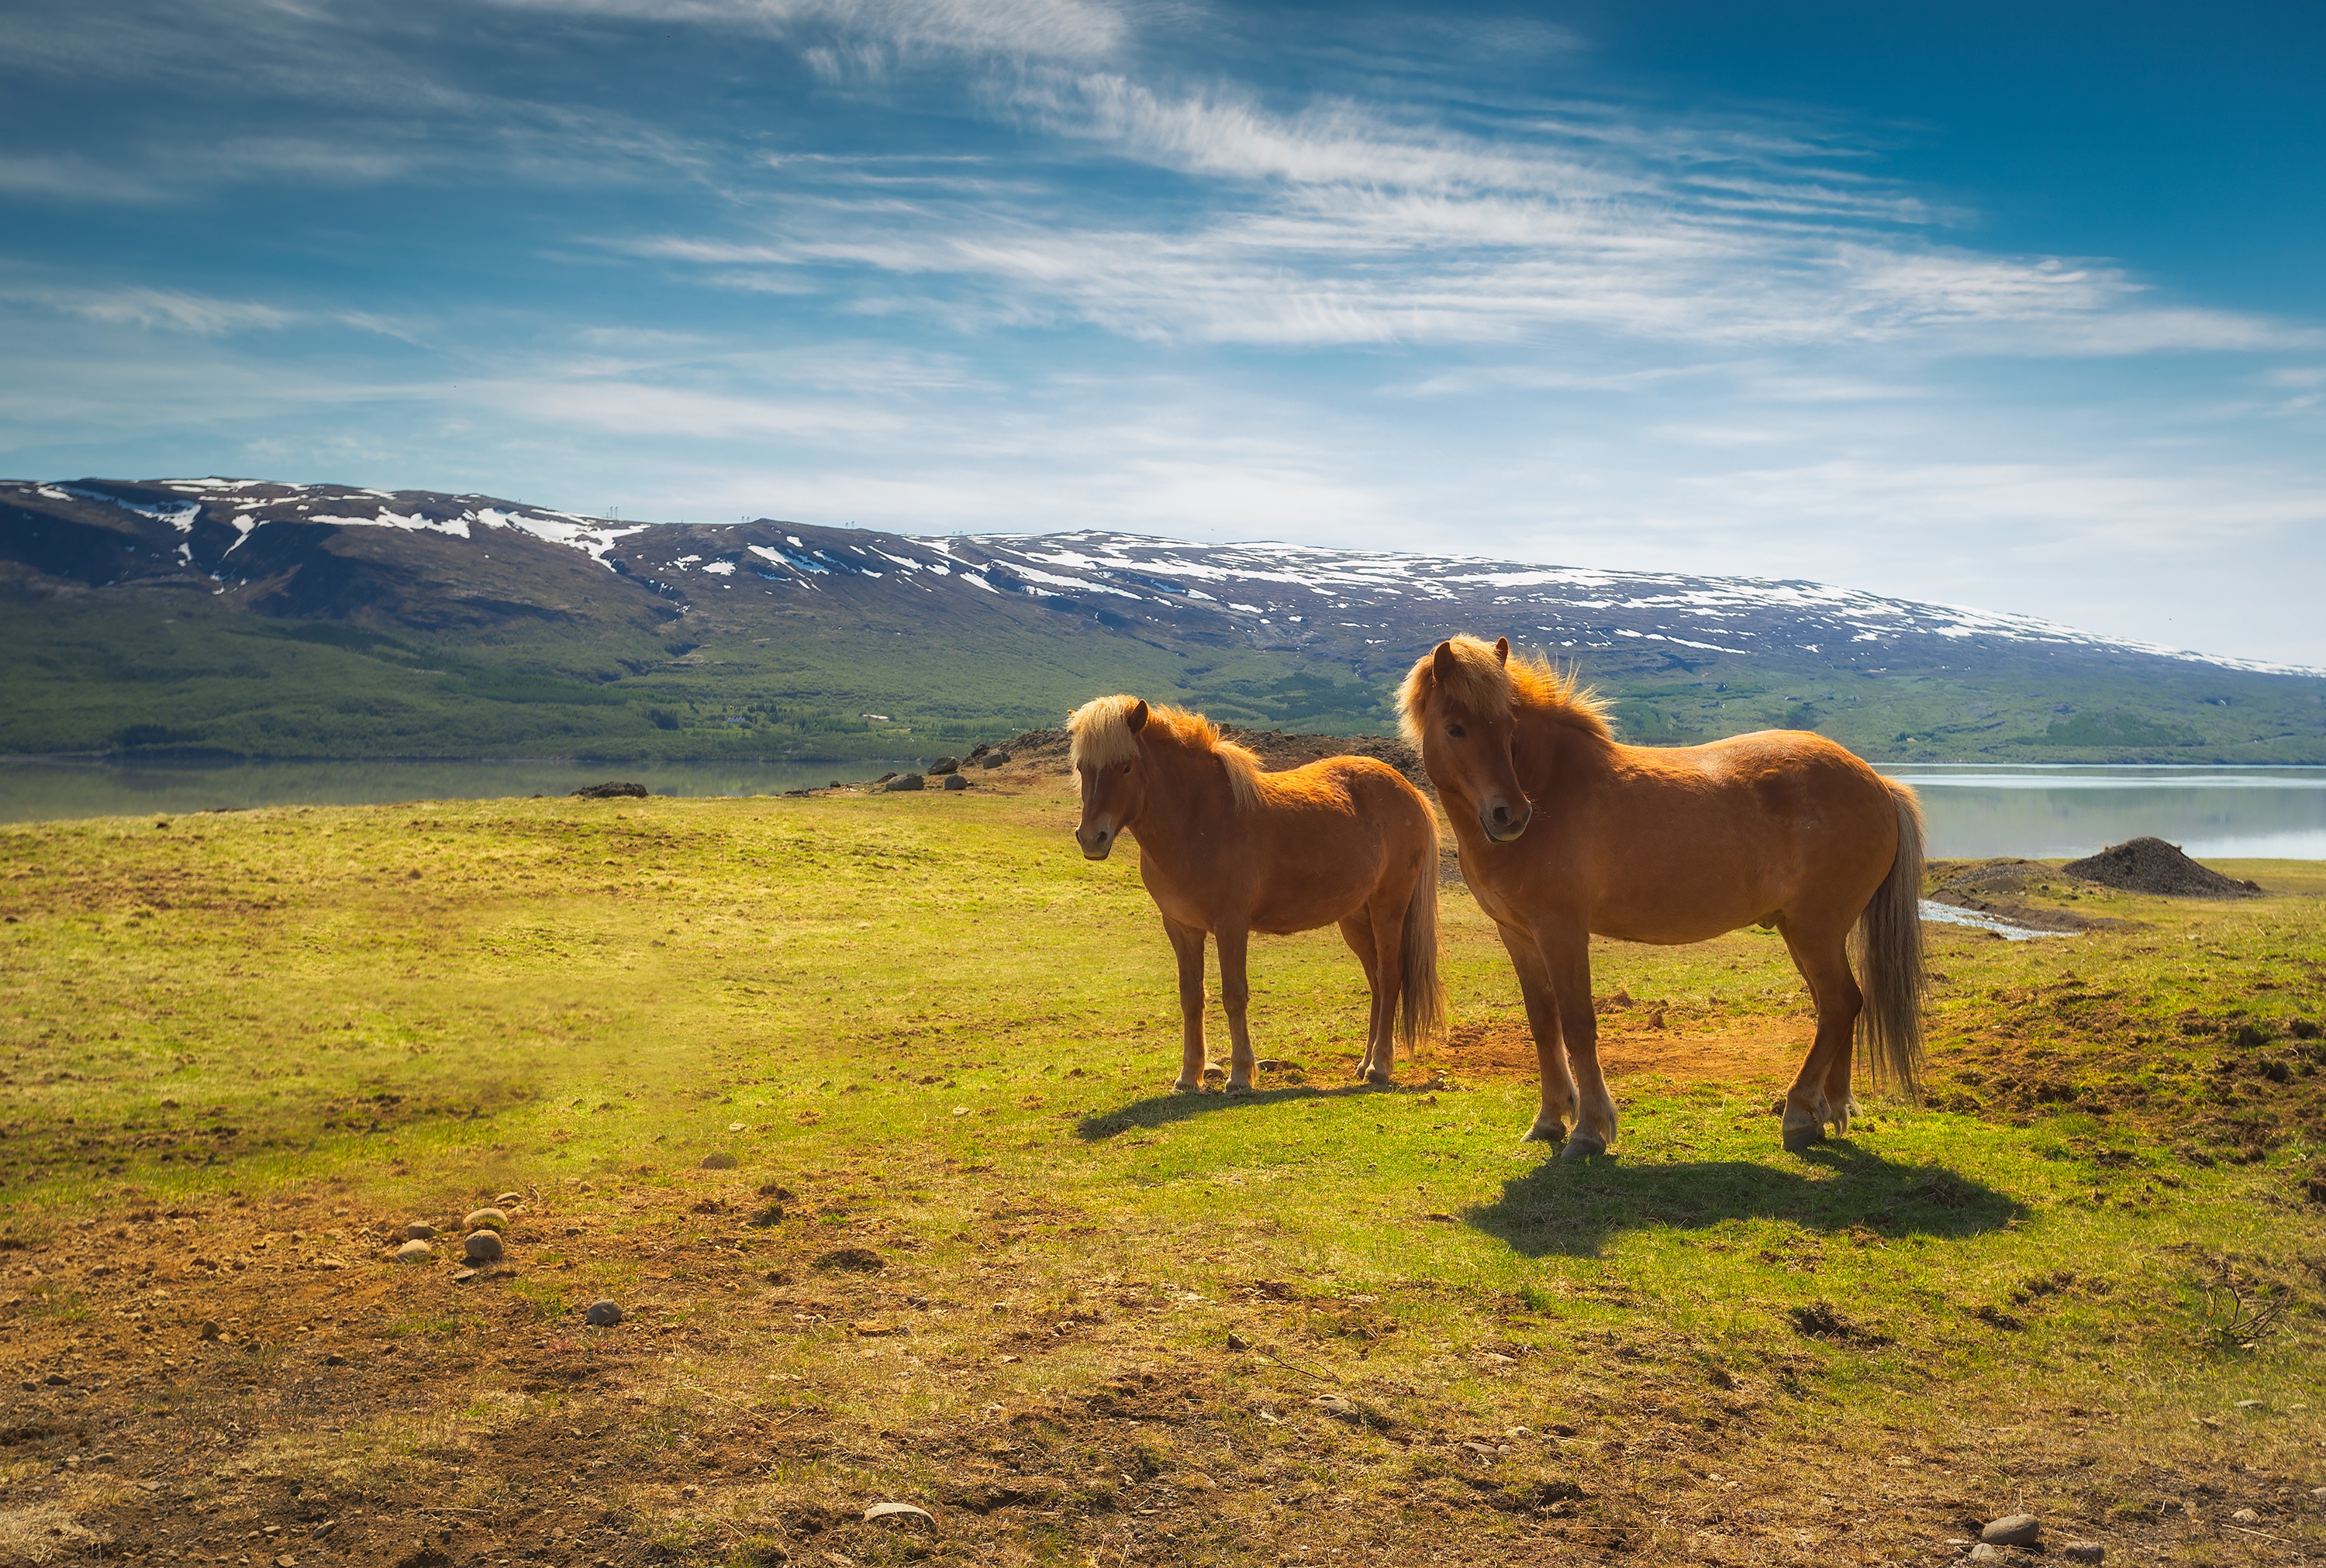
<point x="1769" y="1050"/>
<point x="1999" y="888"/>
<point x="344" y="1412"/>
<point x="2154" y="867"/>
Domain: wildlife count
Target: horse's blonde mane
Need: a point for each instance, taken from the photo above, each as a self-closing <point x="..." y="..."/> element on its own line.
<point x="1103" y="737"/>
<point x="1484" y="684"/>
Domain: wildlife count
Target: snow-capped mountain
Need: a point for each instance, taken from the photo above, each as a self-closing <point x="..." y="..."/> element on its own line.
<point x="241" y="533"/>
<point x="1691" y="655"/>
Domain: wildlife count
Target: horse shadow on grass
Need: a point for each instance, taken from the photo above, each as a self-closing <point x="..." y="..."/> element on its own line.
<point x="1572" y="1208"/>
<point x="1163" y="1110"/>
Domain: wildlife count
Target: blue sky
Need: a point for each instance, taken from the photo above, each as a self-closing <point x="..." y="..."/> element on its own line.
<point x="2009" y="305"/>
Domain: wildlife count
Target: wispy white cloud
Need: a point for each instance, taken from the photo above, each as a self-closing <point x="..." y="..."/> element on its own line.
<point x="1341" y="224"/>
<point x="869" y="34"/>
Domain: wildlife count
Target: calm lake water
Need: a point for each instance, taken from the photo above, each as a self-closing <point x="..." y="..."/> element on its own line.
<point x="39" y="789"/>
<point x="2220" y="813"/>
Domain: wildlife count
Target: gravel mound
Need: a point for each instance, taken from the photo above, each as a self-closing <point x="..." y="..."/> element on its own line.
<point x="2154" y="866"/>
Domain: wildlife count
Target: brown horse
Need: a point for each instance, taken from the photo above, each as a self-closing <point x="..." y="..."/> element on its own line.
<point x="1227" y="850"/>
<point x="1564" y="834"/>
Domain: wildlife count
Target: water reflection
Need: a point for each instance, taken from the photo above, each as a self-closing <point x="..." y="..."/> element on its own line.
<point x="2212" y="813"/>
<point x="41" y="789"/>
<point x="2043" y="812"/>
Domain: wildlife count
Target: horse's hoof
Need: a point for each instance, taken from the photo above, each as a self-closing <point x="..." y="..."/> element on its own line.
<point x="1184" y="1087"/>
<point x="1583" y="1145"/>
<point x="1379" y="1075"/>
<point x="1235" y="1088"/>
<point x="1802" y="1136"/>
<point x="1546" y="1132"/>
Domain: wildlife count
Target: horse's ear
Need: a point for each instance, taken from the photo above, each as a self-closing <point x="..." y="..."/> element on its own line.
<point x="1137" y="716"/>
<point x="1502" y="650"/>
<point x="1441" y="664"/>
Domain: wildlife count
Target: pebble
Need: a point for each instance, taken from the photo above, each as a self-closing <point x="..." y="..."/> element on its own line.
<point x="602" y="1314"/>
<point x="905" y="1512"/>
<point x="415" y="1251"/>
<point x="509" y="1200"/>
<point x="419" y="1230"/>
<point x="2246" y="1517"/>
<point x="2012" y="1530"/>
<point x="718" y="1162"/>
<point x="210" y="1331"/>
<point x="736" y="1126"/>
<point x="954" y="781"/>
<point x="2083" y="1552"/>
<point x="485" y="1219"/>
<point x="1983" y="1553"/>
<point x="482" y="1246"/>
<point x="2318" y="1492"/>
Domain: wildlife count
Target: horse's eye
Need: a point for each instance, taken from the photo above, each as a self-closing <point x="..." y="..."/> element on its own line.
<point x="1125" y="767"/>
<point x="1457" y="732"/>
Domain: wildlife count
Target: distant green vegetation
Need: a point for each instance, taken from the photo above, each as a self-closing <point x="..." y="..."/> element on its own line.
<point x="165" y="675"/>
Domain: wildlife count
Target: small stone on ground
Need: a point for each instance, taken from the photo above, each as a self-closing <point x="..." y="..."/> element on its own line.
<point x="482" y="1246"/>
<point x="602" y="1314"/>
<point x="485" y="1219"/>
<point x="2012" y="1530"/>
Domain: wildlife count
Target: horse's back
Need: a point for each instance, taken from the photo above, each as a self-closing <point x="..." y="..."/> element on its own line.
<point x="1328" y="834"/>
<point x="1361" y="785"/>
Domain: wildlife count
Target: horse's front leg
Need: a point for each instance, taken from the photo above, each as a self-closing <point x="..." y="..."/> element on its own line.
<point x="1820" y="1094"/>
<point x="1235" y="994"/>
<point x="1567" y="956"/>
<point x="1188" y="943"/>
<point x="1542" y="1021"/>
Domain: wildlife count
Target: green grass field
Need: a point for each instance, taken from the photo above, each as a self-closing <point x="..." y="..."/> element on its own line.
<point x="1106" y="1325"/>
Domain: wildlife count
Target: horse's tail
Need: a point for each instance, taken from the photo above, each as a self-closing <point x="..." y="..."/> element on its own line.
<point x="1890" y="959"/>
<point x="1421" y="996"/>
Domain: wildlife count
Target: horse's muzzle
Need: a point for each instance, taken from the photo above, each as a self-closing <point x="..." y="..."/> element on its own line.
<point x="1500" y="824"/>
<point x="1095" y="841"/>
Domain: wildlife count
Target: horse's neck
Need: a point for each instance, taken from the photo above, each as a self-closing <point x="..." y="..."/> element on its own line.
<point x="1188" y="800"/>
<point x="1558" y="754"/>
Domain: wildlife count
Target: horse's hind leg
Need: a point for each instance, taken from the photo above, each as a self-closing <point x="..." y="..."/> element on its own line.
<point x="1820" y="1093"/>
<point x="1386" y="926"/>
<point x="1188" y="943"/>
<point x="1357" y="930"/>
<point x="1235" y="993"/>
<point x="1549" y="1052"/>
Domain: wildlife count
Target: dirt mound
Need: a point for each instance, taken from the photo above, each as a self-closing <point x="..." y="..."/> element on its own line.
<point x="2154" y="866"/>
<point x="2000" y="887"/>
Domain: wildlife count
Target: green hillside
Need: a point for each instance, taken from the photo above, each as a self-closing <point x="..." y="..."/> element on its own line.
<point x="133" y="676"/>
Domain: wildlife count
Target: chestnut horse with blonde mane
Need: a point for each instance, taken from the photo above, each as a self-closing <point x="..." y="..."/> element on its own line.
<point x="1227" y="849"/>
<point x="1565" y="833"/>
